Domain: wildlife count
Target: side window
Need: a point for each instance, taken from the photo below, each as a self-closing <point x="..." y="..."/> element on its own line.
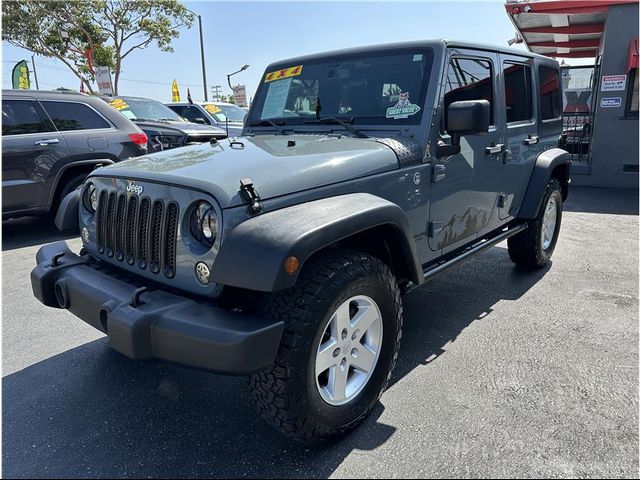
<point x="469" y="79"/>
<point x="179" y="109"/>
<point x="518" y="92"/>
<point x="191" y="113"/>
<point x="22" y="116"/>
<point x="68" y="116"/>
<point x="550" y="103"/>
<point x="632" y="95"/>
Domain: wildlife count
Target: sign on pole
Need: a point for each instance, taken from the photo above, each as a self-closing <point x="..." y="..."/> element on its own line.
<point x="240" y="95"/>
<point x="20" y="76"/>
<point x="103" y="78"/>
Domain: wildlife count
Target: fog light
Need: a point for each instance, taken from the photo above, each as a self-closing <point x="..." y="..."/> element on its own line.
<point x="85" y="234"/>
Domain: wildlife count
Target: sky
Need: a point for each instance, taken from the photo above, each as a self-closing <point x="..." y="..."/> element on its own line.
<point x="260" y="32"/>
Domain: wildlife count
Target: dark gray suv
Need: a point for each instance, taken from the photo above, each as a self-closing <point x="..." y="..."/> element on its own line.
<point x="52" y="140"/>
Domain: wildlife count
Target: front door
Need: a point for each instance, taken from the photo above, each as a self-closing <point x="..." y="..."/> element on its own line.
<point x="31" y="146"/>
<point x="463" y="192"/>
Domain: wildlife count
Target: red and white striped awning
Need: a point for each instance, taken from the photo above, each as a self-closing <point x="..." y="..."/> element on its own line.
<point x="561" y="28"/>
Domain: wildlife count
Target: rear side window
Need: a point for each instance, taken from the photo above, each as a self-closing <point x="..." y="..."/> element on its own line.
<point x="193" y="113"/>
<point x="74" y="116"/>
<point x="518" y="92"/>
<point x="469" y="79"/>
<point x="550" y="103"/>
<point x="22" y="116"/>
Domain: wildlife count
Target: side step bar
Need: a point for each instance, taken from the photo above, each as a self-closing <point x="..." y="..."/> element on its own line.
<point x="470" y="252"/>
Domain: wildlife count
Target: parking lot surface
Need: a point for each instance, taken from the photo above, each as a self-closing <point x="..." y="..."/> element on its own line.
<point x="501" y="373"/>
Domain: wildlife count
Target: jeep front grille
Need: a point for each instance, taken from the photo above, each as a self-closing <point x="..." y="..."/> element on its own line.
<point x="140" y="232"/>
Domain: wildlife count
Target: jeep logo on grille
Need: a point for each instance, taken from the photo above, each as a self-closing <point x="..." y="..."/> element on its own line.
<point x="137" y="189"/>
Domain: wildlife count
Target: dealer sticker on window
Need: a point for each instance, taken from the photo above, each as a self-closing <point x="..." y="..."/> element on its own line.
<point x="118" y="104"/>
<point x="403" y="108"/>
<point x="284" y="73"/>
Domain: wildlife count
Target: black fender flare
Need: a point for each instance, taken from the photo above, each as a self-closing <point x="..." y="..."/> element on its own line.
<point x="550" y="161"/>
<point x="77" y="164"/>
<point x="252" y="255"/>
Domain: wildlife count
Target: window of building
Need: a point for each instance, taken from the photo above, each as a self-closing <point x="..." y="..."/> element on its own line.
<point x="518" y="92"/>
<point x="22" y="116"/>
<point x="632" y="95"/>
<point x="550" y="103"/>
<point x="469" y="79"/>
<point x="74" y="116"/>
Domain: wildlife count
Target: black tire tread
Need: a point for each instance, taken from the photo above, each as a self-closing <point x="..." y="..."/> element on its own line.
<point x="273" y="390"/>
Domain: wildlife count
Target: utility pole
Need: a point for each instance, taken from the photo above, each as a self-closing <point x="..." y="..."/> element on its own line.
<point x="215" y="92"/>
<point x="204" y="73"/>
<point x="35" y="74"/>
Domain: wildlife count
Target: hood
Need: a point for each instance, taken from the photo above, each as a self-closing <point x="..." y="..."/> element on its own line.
<point x="274" y="167"/>
<point x="186" y="128"/>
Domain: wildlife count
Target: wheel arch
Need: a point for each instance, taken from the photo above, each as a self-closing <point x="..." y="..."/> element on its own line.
<point x="553" y="163"/>
<point x="71" y="170"/>
<point x="252" y="255"/>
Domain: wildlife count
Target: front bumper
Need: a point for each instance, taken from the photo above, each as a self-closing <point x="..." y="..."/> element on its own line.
<point x="143" y="323"/>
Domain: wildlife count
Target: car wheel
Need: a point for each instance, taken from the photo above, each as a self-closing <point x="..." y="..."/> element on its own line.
<point x="69" y="186"/>
<point x="533" y="247"/>
<point x="343" y="323"/>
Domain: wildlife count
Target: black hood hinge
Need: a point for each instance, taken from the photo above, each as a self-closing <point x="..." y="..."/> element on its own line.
<point x="251" y="195"/>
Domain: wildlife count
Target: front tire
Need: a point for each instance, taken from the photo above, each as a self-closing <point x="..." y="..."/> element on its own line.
<point x="343" y="323"/>
<point x="532" y="248"/>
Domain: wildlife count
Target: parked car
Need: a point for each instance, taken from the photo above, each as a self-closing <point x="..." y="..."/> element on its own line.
<point x="52" y="140"/>
<point x="220" y="114"/>
<point x="164" y="128"/>
<point x="285" y="257"/>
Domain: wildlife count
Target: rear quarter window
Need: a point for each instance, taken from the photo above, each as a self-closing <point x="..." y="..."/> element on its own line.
<point x="549" y="92"/>
<point x="68" y="116"/>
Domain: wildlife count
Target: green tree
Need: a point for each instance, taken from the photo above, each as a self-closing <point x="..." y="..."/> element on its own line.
<point x="111" y="29"/>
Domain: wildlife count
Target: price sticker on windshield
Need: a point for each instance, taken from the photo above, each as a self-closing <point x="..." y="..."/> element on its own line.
<point x="213" y="109"/>
<point x="118" y="104"/>
<point x="284" y="73"/>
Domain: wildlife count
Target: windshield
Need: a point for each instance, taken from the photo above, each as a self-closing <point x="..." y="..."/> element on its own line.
<point x="372" y="88"/>
<point x="144" y="109"/>
<point x="223" y="112"/>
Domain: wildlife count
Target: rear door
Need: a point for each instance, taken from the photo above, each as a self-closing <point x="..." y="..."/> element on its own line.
<point x="519" y="113"/>
<point x="31" y="148"/>
<point x="463" y="190"/>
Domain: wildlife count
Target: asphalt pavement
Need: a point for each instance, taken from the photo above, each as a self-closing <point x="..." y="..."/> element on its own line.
<point x="501" y="373"/>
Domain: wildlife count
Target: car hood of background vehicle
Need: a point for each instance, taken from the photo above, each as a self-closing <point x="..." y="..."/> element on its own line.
<point x="187" y="128"/>
<point x="275" y="168"/>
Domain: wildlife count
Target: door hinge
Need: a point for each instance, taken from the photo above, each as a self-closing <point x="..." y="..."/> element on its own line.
<point x="251" y="195"/>
<point x="438" y="172"/>
<point x="435" y="228"/>
<point x="502" y="200"/>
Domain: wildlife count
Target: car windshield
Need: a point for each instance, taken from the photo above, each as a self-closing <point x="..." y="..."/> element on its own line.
<point x="223" y="112"/>
<point x="386" y="87"/>
<point x="144" y="109"/>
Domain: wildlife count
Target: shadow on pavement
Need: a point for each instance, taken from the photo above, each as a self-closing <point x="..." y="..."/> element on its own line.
<point x="616" y="201"/>
<point x="29" y="231"/>
<point x="91" y="412"/>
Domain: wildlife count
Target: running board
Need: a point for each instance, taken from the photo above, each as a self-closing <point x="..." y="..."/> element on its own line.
<point x="472" y="251"/>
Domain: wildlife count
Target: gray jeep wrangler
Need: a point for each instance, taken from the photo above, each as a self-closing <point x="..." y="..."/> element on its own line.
<point x="284" y="253"/>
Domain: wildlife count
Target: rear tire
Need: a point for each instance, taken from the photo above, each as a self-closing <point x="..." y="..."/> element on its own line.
<point x="296" y="394"/>
<point x="69" y="186"/>
<point x="533" y="247"/>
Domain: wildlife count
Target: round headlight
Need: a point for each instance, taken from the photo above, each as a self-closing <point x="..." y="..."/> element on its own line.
<point x="204" y="225"/>
<point x="90" y="198"/>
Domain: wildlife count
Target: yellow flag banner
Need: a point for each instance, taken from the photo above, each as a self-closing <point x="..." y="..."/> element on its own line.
<point x="175" y="93"/>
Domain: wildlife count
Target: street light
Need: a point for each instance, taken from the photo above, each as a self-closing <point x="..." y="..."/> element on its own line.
<point x="244" y="67"/>
<point x="204" y="73"/>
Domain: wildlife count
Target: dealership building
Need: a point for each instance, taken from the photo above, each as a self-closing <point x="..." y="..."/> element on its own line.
<point x="600" y="99"/>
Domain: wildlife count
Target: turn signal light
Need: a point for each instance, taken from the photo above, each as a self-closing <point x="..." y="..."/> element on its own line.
<point x="139" y="138"/>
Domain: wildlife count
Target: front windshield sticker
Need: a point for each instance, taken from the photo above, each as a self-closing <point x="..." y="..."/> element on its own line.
<point x="403" y="108"/>
<point x="284" y="73"/>
<point x="118" y="104"/>
<point x="276" y="99"/>
<point x="213" y="109"/>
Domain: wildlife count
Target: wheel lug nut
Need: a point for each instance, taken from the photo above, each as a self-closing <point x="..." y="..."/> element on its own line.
<point x="354" y="353"/>
<point x="336" y="352"/>
<point x="355" y="335"/>
<point x="343" y="362"/>
<point x="345" y="334"/>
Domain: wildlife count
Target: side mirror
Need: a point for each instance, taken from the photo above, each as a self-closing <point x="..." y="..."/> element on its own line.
<point x="200" y="120"/>
<point x="464" y="117"/>
<point x="468" y="117"/>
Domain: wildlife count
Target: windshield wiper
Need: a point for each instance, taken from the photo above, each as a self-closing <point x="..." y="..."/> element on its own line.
<point x="266" y="122"/>
<point x="329" y="120"/>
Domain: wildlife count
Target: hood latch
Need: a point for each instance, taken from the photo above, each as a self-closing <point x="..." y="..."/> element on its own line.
<point x="251" y="195"/>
